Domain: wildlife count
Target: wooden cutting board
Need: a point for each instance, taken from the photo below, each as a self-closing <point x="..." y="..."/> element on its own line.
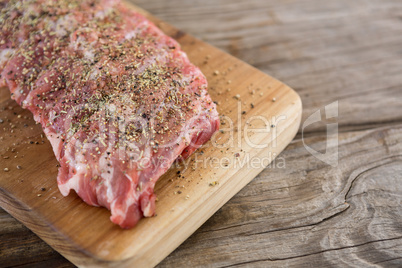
<point x="260" y="117"/>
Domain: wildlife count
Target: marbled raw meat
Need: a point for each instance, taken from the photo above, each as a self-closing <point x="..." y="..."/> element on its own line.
<point x="117" y="98"/>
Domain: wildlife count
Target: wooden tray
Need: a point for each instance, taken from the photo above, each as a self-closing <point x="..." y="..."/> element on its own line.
<point x="247" y="98"/>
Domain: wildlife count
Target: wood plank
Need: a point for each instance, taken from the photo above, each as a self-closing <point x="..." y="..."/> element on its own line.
<point x="84" y="234"/>
<point x="308" y="213"/>
<point x="346" y="51"/>
<point x="19" y="246"/>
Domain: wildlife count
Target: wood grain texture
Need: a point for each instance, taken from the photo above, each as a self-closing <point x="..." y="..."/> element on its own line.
<point x="31" y="250"/>
<point x="311" y="214"/>
<point x="85" y="235"/>
<point x="338" y="50"/>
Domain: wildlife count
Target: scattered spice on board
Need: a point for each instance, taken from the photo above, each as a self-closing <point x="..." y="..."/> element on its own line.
<point x="213" y="183"/>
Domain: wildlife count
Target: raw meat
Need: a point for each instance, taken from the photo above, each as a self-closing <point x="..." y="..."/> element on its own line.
<point x="118" y="99"/>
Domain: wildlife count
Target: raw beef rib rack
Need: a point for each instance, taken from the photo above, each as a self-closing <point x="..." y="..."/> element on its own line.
<point x="118" y="99"/>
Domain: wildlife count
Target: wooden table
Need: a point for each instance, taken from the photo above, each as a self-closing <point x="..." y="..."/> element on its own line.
<point x="299" y="211"/>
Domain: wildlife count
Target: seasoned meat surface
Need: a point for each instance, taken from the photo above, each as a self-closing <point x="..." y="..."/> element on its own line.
<point x="118" y="99"/>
